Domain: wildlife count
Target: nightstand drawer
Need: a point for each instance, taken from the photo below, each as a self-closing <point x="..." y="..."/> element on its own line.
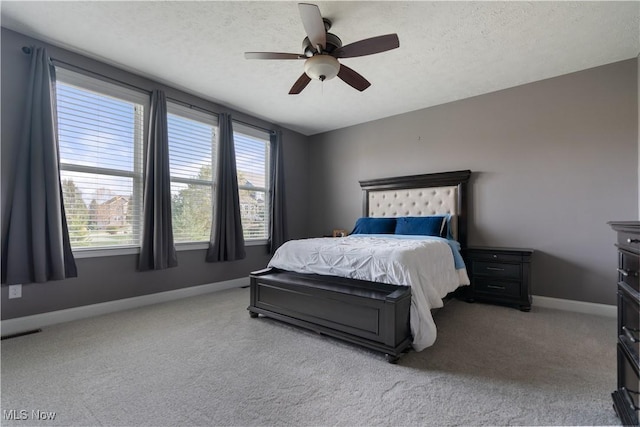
<point x="496" y="287"/>
<point x="496" y="269"/>
<point x="494" y="256"/>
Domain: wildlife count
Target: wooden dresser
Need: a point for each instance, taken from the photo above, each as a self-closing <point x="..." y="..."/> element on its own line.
<point x="625" y="398"/>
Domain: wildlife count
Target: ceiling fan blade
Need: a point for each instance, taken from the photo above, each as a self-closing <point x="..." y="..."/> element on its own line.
<point x="300" y="84"/>
<point x="313" y="24"/>
<point x="367" y="46"/>
<point x="352" y="78"/>
<point x="272" y="55"/>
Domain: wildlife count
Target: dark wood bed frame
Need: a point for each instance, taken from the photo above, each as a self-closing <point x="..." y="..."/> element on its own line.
<point x="374" y="315"/>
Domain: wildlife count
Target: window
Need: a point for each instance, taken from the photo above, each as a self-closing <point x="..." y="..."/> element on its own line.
<point x="252" y="163"/>
<point x="192" y="150"/>
<point x="100" y="132"/>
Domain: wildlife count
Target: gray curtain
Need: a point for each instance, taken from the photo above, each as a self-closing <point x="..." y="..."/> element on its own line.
<point x="36" y="246"/>
<point x="278" y="225"/>
<point x="227" y="240"/>
<point x="157" y="251"/>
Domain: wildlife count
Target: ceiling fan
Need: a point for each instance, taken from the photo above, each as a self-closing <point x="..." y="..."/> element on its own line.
<point x="322" y="49"/>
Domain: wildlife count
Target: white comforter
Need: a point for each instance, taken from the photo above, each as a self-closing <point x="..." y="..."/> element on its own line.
<point x="427" y="265"/>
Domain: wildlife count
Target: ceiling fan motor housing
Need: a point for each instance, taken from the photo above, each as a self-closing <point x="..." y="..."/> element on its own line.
<point x="322" y="67"/>
<point x="333" y="42"/>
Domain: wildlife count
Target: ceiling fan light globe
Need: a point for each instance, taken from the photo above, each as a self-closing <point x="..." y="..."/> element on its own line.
<point x="321" y="67"/>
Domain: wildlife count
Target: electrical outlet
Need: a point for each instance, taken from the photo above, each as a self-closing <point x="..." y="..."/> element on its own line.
<point x="15" y="291"/>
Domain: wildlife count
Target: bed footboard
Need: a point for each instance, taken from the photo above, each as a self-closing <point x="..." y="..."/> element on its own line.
<point x="374" y="315"/>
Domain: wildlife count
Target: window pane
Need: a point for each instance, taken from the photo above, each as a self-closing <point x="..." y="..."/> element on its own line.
<point x="251" y="160"/>
<point x="100" y="209"/>
<point x="253" y="211"/>
<point x="95" y="130"/>
<point x="100" y="137"/>
<point x="191" y="211"/>
<point x="192" y="142"/>
<point x="252" y="163"/>
<point x="190" y="147"/>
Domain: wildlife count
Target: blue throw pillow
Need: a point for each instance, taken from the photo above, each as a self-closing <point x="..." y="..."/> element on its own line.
<point x="366" y="225"/>
<point x="422" y="225"/>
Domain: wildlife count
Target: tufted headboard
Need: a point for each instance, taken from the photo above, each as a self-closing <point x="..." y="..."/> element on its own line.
<point x="420" y="195"/>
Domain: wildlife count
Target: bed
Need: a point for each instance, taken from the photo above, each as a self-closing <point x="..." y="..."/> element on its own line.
<point x="372" y="289"/>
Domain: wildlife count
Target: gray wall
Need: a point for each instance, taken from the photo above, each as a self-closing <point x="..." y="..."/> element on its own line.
<point x="112" y="278"/>
<point x="553" y="161"/>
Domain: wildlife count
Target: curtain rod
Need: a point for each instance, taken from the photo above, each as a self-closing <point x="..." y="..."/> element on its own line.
<point x="27" y="50"/>
<point x="189" y="105"/>
<point x="251" y="125"/>
<point x="204" y="110"/>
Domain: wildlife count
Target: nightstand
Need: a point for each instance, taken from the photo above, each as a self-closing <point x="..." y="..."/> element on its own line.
<point x="499" y="275"/>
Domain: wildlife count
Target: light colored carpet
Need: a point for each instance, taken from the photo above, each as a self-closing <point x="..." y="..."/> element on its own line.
<point x="204" y="361"/>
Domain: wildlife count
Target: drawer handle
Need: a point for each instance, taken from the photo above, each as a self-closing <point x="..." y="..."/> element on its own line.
<point x="630" y="240"/>
<point x="630" y="334"/>
<point x="627" y="273"/>
<point x="502" y="288"/>
<point x="627" y="396"/>
<point x="495" y="268"/>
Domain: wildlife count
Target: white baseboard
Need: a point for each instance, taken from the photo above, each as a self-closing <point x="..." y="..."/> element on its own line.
<point x="576" y="306"/>
<point x="37" y="321"/>
<point x="29" y="323"/>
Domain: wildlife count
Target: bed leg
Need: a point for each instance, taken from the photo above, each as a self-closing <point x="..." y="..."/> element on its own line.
<point x="391" y="359"/>
<point x="253" y="315"/>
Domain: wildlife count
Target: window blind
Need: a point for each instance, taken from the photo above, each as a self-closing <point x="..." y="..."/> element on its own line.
<point x="192" y="151"/>
<point x="252" y="163"/>
<point x="100" y="132"/>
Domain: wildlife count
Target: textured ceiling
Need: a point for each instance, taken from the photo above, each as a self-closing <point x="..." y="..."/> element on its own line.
<point x="448" y="50"/>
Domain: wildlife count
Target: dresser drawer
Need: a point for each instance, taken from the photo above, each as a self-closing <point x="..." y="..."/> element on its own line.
<point x="482" y="285"/>
<point x="497" y="269"/>
<point x="629" y="241"/>
<point x="628" y="381"/>
<point x="628" y="269"/>
<point x="629" y="322"/>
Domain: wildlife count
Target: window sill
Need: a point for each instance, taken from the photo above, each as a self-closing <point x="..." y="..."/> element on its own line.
<point x="205" y="245"/>
<point x="105" y="252"/>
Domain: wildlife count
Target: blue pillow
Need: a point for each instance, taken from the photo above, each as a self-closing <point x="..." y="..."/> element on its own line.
<point x="434" y="225"/>
<point x="448" y="233"/>
<point x="366" y="225"/>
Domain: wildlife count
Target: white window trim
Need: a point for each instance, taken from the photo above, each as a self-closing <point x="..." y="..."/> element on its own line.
<point x="212" y="120"/>
<point x="110" y="89"/>
<point x="262" y="134"/>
